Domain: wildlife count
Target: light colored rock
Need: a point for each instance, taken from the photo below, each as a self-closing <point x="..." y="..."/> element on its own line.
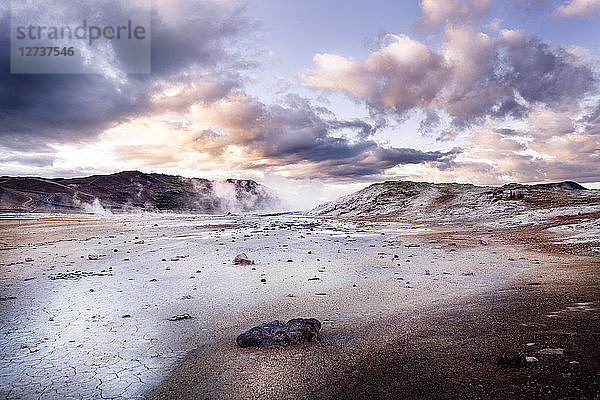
<point x="242" y="259"/>
<point x="552" y="352"/>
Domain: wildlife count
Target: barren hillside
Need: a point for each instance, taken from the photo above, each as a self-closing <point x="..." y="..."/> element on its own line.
<point x="566" y="207"/>
<point x="132" y="190"/>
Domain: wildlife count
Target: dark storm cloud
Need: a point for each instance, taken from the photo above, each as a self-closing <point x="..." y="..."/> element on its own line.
<point x="300" y="136"/>
<point x="543" y="75"/>
<point x="187" y="46"/>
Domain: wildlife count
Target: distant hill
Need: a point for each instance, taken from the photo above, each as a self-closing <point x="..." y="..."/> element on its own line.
<point x="134" y="190"/>
<point x="450" y="203"/>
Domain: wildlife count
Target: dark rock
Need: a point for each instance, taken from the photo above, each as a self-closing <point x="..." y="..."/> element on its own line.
<point x="276" y="333"/>
<point x="510" y="359"/>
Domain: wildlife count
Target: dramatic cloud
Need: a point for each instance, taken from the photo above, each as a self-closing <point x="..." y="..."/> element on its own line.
<point x="582" y="8"/>
<point x="296" y="139"/>
<point x="473" y="77"/>
<point x="490" y="107"/>
<point x="549" y="146"/>
<point x="193" y="49"/>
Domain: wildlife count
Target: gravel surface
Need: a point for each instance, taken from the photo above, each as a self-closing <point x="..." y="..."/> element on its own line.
<point x="73" y="326"/>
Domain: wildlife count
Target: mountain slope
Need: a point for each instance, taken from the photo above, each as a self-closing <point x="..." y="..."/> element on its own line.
<point x="134" y="190"/>
<point x="452" y="203"/>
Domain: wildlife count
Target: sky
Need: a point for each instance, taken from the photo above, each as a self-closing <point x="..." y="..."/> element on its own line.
<point x="320" y="98"/>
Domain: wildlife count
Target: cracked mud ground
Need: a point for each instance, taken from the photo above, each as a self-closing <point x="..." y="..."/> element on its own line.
<point x="73" y="326"/>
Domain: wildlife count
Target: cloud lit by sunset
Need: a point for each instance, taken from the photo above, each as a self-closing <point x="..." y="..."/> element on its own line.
<point x="481" y="92"/>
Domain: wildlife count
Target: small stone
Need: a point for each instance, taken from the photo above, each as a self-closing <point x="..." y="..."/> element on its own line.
<point x="482" y="242"/>
<point x="126" y="316"/>
<point x="179" y="317"/>
<point x="263" y="280"/>
<point x="92" y="256"/>
<point x="28" y="259"/>
<point x="242" y="259"/>
<point x="531" y="359"/>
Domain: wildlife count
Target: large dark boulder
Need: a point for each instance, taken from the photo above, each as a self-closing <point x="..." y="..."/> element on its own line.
<point x="276" y="333"/>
